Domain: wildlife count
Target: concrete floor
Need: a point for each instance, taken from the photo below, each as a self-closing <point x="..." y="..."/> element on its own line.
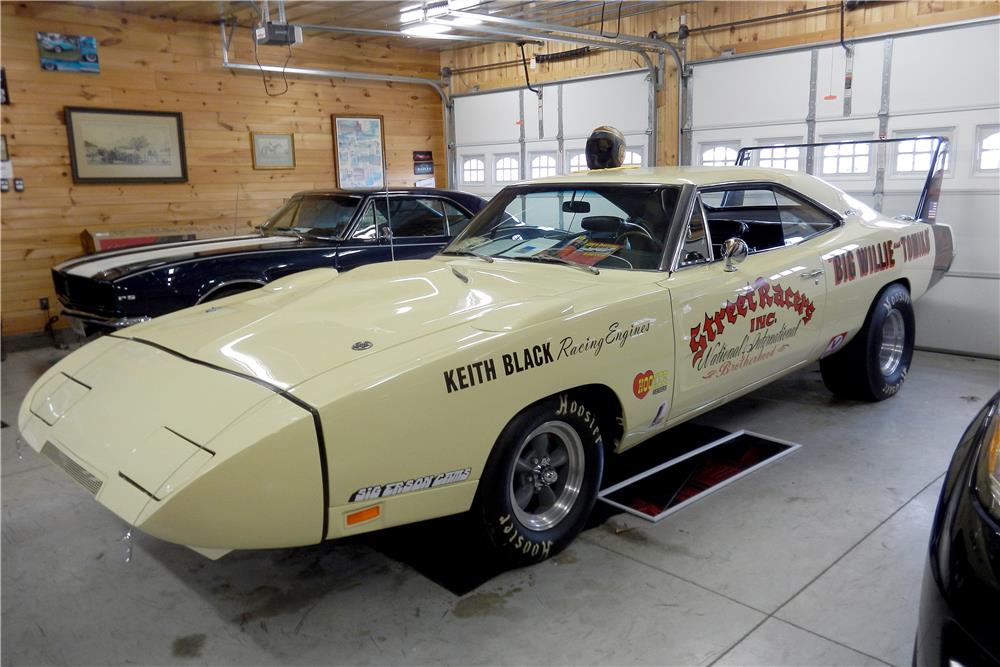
<point x="815" y="560"/>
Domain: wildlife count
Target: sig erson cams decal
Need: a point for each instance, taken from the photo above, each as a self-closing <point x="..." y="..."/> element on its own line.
<point x="759" y="303"/>
<point x="518" y="361"/>
<point x="851" y="263"/>
<point x="411" y="485"/>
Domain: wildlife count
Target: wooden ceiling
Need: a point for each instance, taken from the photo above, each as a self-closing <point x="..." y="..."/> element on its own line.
<point x="385" y="15"/>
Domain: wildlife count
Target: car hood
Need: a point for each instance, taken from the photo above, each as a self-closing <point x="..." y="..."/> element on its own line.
<point x="312" y="322"/>
<point x="114" y="264"/>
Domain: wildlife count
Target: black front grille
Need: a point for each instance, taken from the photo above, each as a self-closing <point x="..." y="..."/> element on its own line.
<point x="84" y="293"/>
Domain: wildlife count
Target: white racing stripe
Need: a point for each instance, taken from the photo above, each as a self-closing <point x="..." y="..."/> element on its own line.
<point x="89" y="269"/>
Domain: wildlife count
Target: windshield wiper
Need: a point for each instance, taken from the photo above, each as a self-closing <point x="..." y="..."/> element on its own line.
<point x="469" y="253"/>
<point x="560" y="260"/>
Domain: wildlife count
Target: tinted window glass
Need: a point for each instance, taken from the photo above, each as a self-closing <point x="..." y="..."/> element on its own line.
<point x="762" y="217"/>
<point x="457" y="220"/>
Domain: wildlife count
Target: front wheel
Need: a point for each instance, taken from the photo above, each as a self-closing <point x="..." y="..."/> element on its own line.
<point x="541" y="480"/>
<point x="872" y="367"/>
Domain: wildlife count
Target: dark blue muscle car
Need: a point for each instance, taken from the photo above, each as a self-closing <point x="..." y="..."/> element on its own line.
<point x="110" y="290"/>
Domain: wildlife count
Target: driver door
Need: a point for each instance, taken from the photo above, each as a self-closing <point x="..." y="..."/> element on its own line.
<point x="738" y="327"/>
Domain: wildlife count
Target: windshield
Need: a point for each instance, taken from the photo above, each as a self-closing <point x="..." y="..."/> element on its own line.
<point x="315" y="215"/>
<point x="605" y="226"/>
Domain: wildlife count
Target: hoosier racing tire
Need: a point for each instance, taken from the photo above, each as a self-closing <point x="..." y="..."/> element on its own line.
<point x="874" y="364"/>
<point x="541" y="480"/>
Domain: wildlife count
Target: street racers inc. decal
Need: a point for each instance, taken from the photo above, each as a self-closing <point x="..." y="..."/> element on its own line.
<point x="853" y="263"/>
<point x="518" y="361"/>
<point x="759" y="303"/>
<point x="410" y="485"/>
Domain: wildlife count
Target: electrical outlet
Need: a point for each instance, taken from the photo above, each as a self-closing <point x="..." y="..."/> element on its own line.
<point x="43" y="303"/>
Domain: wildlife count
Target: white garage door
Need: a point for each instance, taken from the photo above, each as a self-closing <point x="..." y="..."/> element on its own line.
<point x="944" y="82"/>
<point x="514" y="135"/>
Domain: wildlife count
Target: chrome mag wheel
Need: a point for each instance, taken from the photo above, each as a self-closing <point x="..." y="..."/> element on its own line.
<point x="893" y="342"/>
<point x="547" y="476"/>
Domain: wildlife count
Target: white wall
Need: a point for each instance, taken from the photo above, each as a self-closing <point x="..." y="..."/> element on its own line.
<point x="943" y="80"/>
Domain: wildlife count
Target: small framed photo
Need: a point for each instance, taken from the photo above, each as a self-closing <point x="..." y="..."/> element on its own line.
<point x="359" y="152"/>
<point x="273" y="151"/>
<point x="119" y="146"/>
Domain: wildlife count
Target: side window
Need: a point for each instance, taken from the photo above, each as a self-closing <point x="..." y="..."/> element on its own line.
<point x="457" y="219"/>
<point x="763" y="217"/>
<point x="800" y="220"/>
<point x="412" y="217"/>
<point x="748" y="213"/>
<point x="369" y="222"/>
<point x="697" y="248"/>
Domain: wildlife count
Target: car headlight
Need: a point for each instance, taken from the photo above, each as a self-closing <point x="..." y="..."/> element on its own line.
<point x="988" y="469"/>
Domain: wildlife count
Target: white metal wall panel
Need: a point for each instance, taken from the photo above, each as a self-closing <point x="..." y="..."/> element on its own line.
<point x="947" y="69"/>
<point x="620" y="101"/>
<point x="866" y="83"/>
<point x="947" y="79"/>
<point x="487" y="118"/>
<point x="735" y="93"/>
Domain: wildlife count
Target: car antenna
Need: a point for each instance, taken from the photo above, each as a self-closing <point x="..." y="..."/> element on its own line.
<point x="236" y="213"/>
<point x="388" y="215"/>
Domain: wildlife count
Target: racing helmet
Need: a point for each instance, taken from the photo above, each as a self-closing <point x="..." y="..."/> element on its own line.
<point x="605" y="148"/>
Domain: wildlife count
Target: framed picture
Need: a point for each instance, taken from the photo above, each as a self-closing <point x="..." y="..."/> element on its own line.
<point x="359" y="152"/>
<point x="117" y="146"/>
<point x="273" y="151"/>
<point x="67" y="53"/>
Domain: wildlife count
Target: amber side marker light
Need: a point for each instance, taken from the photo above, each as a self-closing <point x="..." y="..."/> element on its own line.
<point x="363" y="515"/>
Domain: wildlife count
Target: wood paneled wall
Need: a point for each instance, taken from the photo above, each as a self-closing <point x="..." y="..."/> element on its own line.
<point x="166" y="65"/>
<point x="710" y="37"/>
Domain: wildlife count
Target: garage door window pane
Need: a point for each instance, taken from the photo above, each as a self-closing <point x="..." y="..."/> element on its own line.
<point x="779" y="157"/>
<point x="578" y="162"/>
<point x="506" y="170"/>
<point x="718" y="156"/>
<point x="543" y="165"/>
<point x="989" y="149"/>
<point x="913" y="156"/>
<point x="473" y="170"/>
<point x="846" y="159"/>
<point x="633" y="158"/>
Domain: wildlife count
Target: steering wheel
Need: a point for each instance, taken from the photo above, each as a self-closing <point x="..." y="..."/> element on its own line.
<point x="623" y="239"/>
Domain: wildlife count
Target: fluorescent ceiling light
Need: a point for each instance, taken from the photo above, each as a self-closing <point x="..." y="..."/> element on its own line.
<point x="459" y="5"/>
<point x="461" y="20"/>
<point x="411" y="14"/>
<point x="436" y="9"/>
<point x="426" y="29"/>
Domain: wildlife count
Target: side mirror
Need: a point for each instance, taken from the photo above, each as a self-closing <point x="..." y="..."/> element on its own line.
<point x="734" y="251"/>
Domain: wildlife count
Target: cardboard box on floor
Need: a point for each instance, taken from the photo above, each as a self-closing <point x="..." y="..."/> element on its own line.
<point x="98" y="241"/>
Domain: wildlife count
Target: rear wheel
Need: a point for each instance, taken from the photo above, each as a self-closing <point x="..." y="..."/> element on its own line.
<point x="874" y="364"/>
<point x="541" y="480"/>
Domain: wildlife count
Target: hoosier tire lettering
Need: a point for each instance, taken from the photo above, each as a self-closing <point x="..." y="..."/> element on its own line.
<point x="541" y="480"/>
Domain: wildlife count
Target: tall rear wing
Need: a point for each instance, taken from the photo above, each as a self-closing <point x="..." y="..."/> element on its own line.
<point x="831" y="150"/>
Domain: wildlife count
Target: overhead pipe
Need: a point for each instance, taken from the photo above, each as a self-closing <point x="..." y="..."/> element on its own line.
<point x="343" y="74"/>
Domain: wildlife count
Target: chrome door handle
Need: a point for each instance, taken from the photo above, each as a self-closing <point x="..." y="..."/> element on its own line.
<point x="812" y="274"/>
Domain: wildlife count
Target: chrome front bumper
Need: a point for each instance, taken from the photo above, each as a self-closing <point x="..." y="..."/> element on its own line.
<point x="80" y="321"/>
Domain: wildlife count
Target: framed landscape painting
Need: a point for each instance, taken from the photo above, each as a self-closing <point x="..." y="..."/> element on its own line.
<point x="273" y="151"/>
<point x="359" y="152"/>
<point x="118" y="146"/>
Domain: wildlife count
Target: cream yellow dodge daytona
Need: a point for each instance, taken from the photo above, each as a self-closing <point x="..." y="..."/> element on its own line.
<point x="574" y="318"/>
